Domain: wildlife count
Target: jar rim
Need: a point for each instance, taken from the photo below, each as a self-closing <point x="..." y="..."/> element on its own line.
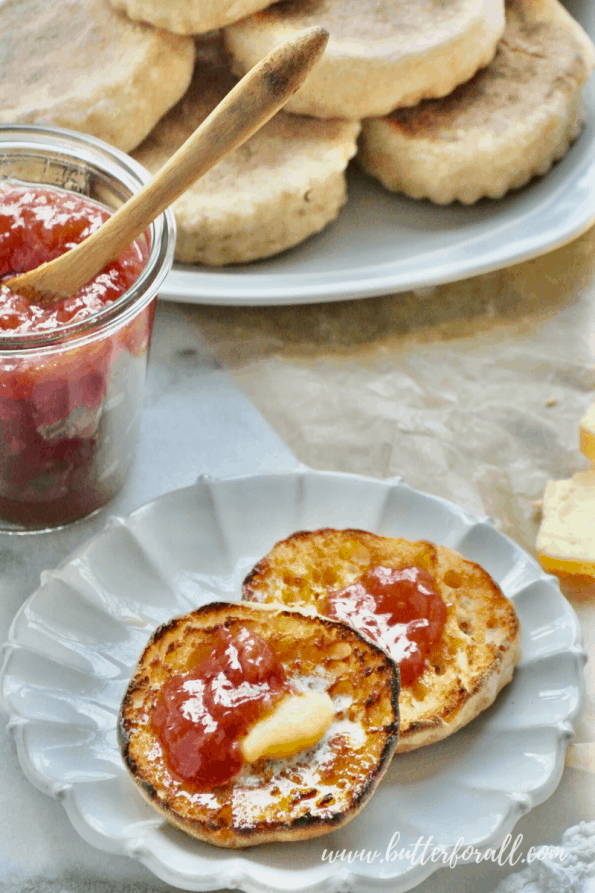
<point x="92" y="153"/>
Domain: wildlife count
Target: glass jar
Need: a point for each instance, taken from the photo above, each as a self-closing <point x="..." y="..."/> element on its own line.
<point x="71" y="397"/>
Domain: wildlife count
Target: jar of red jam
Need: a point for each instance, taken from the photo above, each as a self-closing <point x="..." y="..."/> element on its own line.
<point x="72" y="375"/>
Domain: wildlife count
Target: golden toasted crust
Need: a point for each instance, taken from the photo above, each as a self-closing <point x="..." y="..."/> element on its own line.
<point x="380" y="55"/>
<point x="507" y="124"/>
<point x="315" y="791"/>
<point x="480" y="645"/>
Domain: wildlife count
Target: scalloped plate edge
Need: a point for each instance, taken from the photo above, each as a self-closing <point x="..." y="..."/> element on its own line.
<point x="335" y="881"/>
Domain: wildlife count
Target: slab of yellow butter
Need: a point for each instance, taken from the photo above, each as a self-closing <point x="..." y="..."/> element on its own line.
<point x="586" y="428"/>
<point x="566" y="538"/>
<point x="296" y="723"/>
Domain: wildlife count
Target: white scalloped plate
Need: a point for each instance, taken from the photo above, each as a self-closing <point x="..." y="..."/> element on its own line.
<point x="74" y="643"/>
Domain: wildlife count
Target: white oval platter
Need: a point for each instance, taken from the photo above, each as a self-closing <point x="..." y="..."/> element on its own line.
<point x="73" y="645"/>
<point x="385" y="243"/>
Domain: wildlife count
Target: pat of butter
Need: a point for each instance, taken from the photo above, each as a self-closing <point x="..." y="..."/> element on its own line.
<point x="297" y="722"/>
<point x="566" y="538"/>
<point x="587" y="433"/>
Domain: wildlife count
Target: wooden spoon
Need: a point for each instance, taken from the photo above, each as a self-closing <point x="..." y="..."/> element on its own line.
<point x="249" y="105"/>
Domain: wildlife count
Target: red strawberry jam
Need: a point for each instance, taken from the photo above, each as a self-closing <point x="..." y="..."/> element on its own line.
<point x="399" y="609"/>
<point x="68" y="410"/>
<point x="200" y="716"/>
<point x="39" y="224"/>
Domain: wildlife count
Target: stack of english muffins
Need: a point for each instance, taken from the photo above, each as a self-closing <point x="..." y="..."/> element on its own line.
<point x="452" y="100"/>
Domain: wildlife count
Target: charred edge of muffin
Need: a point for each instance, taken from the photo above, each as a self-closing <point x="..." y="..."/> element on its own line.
<point x="391" y="730"/>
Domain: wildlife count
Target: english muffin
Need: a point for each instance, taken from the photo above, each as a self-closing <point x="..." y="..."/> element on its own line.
<point x="469" y="660"/>
<point x="508" y="124"/>
<point x="380" y="55"/>
<point x="83" y="65"/>
<point x="189" y="16"/>
<point x="284" y="184"/>
<point x="272" y="797"/>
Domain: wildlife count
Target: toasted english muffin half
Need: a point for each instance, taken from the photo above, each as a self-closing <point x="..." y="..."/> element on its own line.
<point x="313" y="792"/>
<point x="478" y="649"/>
<point x="284" y="184"/>
<point x="511" y="122"/>
<point x="83" y="65"/>
<point x="380" y="55"/>
<point x="189" y="16"/>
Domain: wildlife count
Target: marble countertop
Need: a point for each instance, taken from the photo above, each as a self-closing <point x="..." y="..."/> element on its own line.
<point x="357" y="386"/>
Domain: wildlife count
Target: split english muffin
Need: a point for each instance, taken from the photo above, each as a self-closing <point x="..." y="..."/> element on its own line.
<point x="447" y="676"/>
<point x="380" y="55"/>
<point x="81" y="64"/>
<point x="508" y="124"/>
<point x="284" y="184"/>
<point x="272" y="793"/>
<point x="189" y="16"/>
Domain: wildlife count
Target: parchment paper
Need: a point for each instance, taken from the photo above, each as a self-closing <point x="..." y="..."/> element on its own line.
<point x="473" y="392"/>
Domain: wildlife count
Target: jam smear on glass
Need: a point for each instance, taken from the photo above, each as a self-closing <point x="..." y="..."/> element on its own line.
<point x="398" y="608"/>
<point x="200" y="716"/>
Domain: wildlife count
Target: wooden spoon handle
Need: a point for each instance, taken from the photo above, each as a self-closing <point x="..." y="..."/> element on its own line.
<point x="249" y="105"/>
